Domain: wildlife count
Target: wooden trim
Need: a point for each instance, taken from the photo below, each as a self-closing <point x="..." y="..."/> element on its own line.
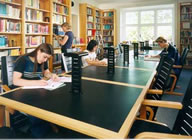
<point x="5" y="88"/>
<point x="152" y="135"/>
<point x="10" y="90"/>
<point x="63" y="121"/>
<point x="167" y="104"/>
<point x="155" y="91"/>
<point x="178" y="66"/>
<point x="125" y="128"/>
<point x="156" y="122"/>
<point x="112" y="82"/>
<point x="142" y="69"/>
<point x="174" y="93"/>
<point x="2" y="114"/>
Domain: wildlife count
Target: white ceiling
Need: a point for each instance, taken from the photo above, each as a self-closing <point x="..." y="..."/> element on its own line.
<point x="118" y="1"/>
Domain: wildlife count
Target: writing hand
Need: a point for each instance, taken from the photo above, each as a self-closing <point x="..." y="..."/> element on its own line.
<point x="55" y="78"/>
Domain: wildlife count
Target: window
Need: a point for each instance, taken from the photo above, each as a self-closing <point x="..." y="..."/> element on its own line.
<point x="147" y="23"/>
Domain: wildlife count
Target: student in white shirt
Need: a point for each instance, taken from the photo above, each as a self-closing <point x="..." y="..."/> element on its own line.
<point x="91" y="59"/>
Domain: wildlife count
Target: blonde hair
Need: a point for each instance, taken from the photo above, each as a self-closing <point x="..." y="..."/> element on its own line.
<point x="161" y="39"/>
<point x="67" y="25"/>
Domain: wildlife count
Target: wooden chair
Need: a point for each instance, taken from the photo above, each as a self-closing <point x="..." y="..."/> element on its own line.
<point x="152" y="129"/>
<point x="14" y="118"/>
<point x="180" y="67"/>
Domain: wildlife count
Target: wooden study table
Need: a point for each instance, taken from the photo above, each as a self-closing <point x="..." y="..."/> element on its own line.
<point x="106" y="109"/>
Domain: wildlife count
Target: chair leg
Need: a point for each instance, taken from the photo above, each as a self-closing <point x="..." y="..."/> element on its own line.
<point x="7" y="117"/>
<point x="174" y="82"/>
<point x="174" y="93"/>
<point x="2" y="115"/>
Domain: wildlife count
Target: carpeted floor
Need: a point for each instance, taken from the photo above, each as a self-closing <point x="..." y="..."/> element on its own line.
<point x="166" y="115"/>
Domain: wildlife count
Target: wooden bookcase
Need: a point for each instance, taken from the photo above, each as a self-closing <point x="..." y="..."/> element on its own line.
<point x="94" y="21"/>
<point x="186" y="31"/>
<point x="31" y="23"/>
<point x="11" y="27"/>
<point x="109" y="27"/>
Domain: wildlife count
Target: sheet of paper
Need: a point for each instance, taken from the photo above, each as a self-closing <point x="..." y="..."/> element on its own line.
<point x="51" y="85"/>
<point x="151" y="59"/>
<point x="65" y="79"/>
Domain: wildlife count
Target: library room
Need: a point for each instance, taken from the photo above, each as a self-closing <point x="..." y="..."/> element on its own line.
<point x="86" y="69"/>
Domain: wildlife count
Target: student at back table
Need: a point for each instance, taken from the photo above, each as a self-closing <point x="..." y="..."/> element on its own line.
<point x="170" y="50"/>
<point x="91" y="59"/>
<point x="28" y="71"/>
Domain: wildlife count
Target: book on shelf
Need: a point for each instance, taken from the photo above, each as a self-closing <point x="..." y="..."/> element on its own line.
<point x="90" y="18"/>
<point x="89" y="11"/>
<point x="59" y="19"/>
<point x="186" y="25"/>
<point x="34" y="41"/>
<point x="9" y="11"/>
<point x="37" y="28"/>
<point x="33" y="15"/>
<point x="57" y="30"/>
<point x="14" y="52"/>
<point x="10" y="26"/>
<point x="33" y="3"/>
<point x="3" y="41"/>
<point x="108" y="14"/>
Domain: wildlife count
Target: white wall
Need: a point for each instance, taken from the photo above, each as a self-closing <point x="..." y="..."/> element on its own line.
<point x="119" y="6"/>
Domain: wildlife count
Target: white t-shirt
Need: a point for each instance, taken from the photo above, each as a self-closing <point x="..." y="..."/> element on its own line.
<point x="91" y="56"/>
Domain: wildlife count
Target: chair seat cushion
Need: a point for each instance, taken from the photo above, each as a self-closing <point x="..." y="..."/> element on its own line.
<point x="140" y="126"/>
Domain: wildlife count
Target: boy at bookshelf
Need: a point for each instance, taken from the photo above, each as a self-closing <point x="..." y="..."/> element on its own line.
<point x="28" y="71"/>
<point x="169" y="50"/>
<point x="90" y="59"/>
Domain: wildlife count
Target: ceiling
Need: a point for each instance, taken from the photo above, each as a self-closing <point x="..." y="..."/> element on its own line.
<point x="117" y="1"/>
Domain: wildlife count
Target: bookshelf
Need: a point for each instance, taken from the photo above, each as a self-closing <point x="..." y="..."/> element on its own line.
<point x="94" y="21"/>
<point x="186" y="30"/>
<point x="10" y="27"/>
<point x="24" y="24"/>
<point x="109" y="27"/>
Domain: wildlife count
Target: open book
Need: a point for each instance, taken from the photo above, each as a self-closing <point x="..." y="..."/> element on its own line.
<point x="51" y="84"/>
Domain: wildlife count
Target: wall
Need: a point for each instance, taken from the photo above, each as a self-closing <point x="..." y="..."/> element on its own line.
<point x="119" y="6"/>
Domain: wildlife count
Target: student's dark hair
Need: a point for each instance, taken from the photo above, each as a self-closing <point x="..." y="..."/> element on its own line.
<point x="91" y="45"/>
<point x="45" y="48"/>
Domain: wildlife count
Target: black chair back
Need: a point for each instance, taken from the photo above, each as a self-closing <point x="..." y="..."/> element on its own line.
<point x="7" y="67"/>
<point x="183" y="123"/>
<point x="162" y="77"/>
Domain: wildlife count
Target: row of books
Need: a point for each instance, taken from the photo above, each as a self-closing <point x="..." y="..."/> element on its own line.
<point x="89" y="26"/>
<point x="186" y="33"/>
<point x="98" y="20"/>
<point x="108" y="14"/>
<point x="90" y="18"/>
<point x="33" y="15"/>
<point x="33" y="3"/>
<point x="98" y="14"/>
<point x="98" y="27"/>
<point x="12" y="52"/>
<point x="98" y="32"/>
<point x="107" y="27"/>
<point x="9" y="11"/>
<point x="34" y="41"/>
<point x="186" y="25"/>
<point x="107" y="39"/>
<point x="37" y="28"/>
<point x="110" y="33"/>
<point x="186" y="41"/>
<point x="58" y="19"/>
<point x="186" y="17"/>
<point x="3" y="41"/>
<point x="89" y="32"/>
<point x="55" y="43"/>
<point x="60" y="1"/>
<point x="89" y="11"/>
<point x="186" y="10"/>
<point x="107" y="21"/>
<point x="9" y="26"/>
<point x="60" y="9"/>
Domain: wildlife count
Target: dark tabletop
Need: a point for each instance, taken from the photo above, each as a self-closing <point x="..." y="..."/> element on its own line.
<point x="101" y="104"/>
<point x="131" y="76"/>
